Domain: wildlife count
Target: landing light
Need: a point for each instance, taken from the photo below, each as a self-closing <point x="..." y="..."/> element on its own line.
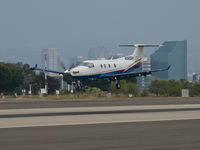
<point x="75" y="71"/>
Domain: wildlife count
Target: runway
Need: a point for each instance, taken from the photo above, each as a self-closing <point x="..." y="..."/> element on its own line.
<point x="164" y="135"/>
<point x="95" y="115"/>
<point x="151" y="126"/>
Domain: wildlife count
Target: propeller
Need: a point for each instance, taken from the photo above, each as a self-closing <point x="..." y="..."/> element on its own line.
<point x="63" y="65"/>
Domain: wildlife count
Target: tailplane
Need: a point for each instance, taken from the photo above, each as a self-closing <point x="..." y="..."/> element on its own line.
<point x="139" y="48"/>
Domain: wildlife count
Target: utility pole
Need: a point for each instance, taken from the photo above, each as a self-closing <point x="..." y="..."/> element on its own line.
<point x="45" y="73"/>
<point x="62" y="82"/>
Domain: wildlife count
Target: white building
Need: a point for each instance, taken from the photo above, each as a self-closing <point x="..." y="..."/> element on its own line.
<point x="144" y="82"/>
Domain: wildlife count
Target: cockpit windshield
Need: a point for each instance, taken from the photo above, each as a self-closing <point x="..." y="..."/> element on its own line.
<point x="87" y="64"/>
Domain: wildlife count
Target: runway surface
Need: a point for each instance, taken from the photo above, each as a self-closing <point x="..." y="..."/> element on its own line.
<point x="95" y="115"/>
<point x="165" y="135"/>
<point x="171" y="125"/>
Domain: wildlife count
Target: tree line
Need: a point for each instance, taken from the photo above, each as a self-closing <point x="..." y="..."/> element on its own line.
<point x="174" y="87"/>
<point x="15" y="77"/>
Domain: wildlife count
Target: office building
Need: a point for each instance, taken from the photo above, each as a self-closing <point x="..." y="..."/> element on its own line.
<point x="52" y="59"/>
<point x="173" y="53"/>
<point x="144" y="82"/>
<point x="75" y="61"/>
<point x="99" y="52"/>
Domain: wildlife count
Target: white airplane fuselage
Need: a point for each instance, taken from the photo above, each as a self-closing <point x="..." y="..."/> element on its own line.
<point x="101" y="68"/>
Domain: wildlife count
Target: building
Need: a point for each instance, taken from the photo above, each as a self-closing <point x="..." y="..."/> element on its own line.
<point x="99" y="52"/>
<point x="144" y="82"/>
<point x="75" y="61"/>
<point x="52" y="59"/>
<point x="173" y="53"/>
<point x="195" y="78"/>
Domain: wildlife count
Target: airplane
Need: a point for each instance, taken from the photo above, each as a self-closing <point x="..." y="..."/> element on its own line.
<point x="114" y="69"/>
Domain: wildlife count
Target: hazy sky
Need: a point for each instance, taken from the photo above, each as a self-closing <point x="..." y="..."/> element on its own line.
<point x="32" y="23"/>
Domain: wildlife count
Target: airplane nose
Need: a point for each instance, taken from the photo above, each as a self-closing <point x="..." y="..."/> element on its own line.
<point x="67" y="71"/>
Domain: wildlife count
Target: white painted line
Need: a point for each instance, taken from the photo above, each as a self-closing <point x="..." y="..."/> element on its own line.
<point x="97" y="119"/>
<point x="92" y="109"/>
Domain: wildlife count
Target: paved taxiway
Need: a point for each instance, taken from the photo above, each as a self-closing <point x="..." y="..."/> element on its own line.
<point x="172" y="125"/>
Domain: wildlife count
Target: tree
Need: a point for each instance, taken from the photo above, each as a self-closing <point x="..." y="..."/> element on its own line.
<point x="155" y="87"/>
<point x="11" y="77"/>
<point x="145" y="92"/>
<point x="195" y="90"/>
<point x="39" y="82"/>
<point x="174" y="88"/>
<point x="126" y="88"/>
<point x="101" y="84"/>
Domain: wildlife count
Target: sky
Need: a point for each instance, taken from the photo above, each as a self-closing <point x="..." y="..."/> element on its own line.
<point x="45" y="23"/>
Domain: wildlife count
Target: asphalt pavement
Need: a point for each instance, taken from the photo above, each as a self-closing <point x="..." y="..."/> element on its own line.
<point x="138" y="123"/>
<point x="40" y="103"/>
<point x="165" y="135"/>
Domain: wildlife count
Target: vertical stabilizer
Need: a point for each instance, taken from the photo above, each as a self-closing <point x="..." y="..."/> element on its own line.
<point x="139" y="49"/>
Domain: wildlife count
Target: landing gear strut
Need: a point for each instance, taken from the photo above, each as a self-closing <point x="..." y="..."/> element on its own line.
<point x="79" y="85"/>
<point x="118" y="85"/>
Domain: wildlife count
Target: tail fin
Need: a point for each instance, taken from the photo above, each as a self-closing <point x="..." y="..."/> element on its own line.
<point x="139" y="48"/>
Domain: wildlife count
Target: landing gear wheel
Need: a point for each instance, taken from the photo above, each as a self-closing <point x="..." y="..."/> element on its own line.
<point x="118" y="86"/>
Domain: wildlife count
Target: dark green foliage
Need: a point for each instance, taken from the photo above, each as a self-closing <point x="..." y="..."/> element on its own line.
<point x="126" y="88"/>
<point x="101" y="84"/>
<point x="68" y="78"/>
<point x="15" y="77"/>
<point x="174" y="87"/>
<point x="39" y="82"/>
<point x="10" y="77"/>
<point x="195" y="90"/>
<point x="145" y="92"/>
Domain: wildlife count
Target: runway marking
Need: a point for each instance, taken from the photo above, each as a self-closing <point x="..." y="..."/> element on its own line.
<point x="173" y="114"/>
<point x="93" y="109"/>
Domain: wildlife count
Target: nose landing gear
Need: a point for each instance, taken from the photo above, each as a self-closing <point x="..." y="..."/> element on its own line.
<point x="118" y="85"/>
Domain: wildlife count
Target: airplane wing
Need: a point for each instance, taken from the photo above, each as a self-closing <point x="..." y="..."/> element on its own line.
<point x="134" y="74"/>
<point x="46" y="70"/>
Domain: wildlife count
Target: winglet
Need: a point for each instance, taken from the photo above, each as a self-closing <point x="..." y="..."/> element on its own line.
<point x="168" y="67"/>
<point x="165" y="68"/>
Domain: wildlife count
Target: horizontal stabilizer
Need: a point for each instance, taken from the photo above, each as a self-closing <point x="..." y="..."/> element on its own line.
<point x="140" y="45"/>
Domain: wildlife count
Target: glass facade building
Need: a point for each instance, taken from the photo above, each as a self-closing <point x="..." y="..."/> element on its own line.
<point x="173" y="53"/>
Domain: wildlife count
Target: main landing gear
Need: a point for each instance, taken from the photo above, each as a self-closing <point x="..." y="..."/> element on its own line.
<point x="118" y="85"/>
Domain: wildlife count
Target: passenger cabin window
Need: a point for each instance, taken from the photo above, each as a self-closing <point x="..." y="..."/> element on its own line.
<point x="129" y="58"/>
<point x="87" y="64"/>
<point x="115" y="65"/>
<point x="104" y="65"/>
<point x="101" y="66"/>
<point x="109" y="65"/>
